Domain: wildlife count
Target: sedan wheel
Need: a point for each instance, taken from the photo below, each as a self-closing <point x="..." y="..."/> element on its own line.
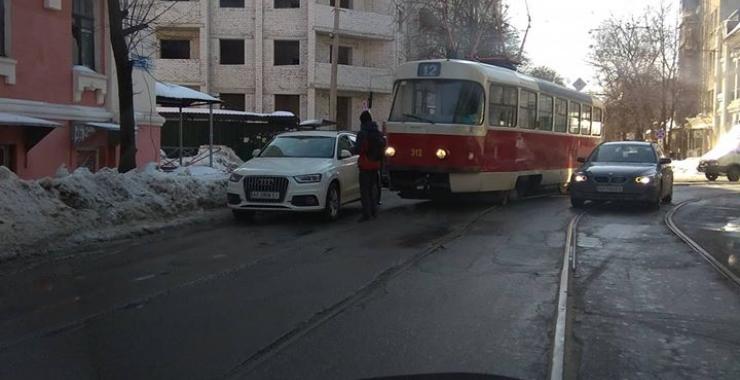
<point x="577" y="202"/>
<point x="333" y="203"/>
<point x="711" y="177"/>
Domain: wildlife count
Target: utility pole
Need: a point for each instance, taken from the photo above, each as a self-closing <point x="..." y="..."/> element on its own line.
<point x="334" y="66"/>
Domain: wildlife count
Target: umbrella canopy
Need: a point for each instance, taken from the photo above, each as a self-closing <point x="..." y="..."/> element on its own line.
<point x="173" y="95"/>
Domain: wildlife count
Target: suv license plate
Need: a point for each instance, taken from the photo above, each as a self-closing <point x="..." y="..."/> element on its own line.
<point x="609" y="189"/>
<point x="269" y="195"/>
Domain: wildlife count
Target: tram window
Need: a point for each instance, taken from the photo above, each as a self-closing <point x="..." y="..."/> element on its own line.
<point x="586" y="120"/>
<point x="503" y="106"/>
<point x="438" y="101"/>
<point x="561" y="115"/>
<point x="527" y="109"/>
<point x="574" y="112"/>
<point x="598" y="120"/>
<point x="545" y="111"/>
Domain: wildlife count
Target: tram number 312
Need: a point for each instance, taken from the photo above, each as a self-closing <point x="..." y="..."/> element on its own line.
<point x="417" y="153"/>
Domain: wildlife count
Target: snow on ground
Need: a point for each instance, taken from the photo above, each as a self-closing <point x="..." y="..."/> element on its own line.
<point x="82" y="206"/>
<point x="685" y="170"/>
<point x="224" y="162"/>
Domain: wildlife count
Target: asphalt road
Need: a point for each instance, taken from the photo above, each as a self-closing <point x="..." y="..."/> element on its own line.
<point x="426" y="288"/>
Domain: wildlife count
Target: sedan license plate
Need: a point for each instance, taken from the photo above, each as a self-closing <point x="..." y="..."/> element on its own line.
<point x="609" y="189"/>
<point x="268" y="195"/>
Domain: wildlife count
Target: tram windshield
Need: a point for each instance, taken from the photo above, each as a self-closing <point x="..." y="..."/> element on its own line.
<point x="438" y="102"/>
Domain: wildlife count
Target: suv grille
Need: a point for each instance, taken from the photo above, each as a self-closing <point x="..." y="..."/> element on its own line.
<point x="264" y="184"/>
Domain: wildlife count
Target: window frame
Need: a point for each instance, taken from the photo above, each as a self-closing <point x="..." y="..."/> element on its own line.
<point x="586" y="131"/>
<point x="531" y="110"/>
<point x="78" y="20"/>
<point x="512" y="107"/>
<point x="161" y="49"/>
<point x="539" y="123"/>
<point x="571" y="131"/>
<point x="289" y="4"/>
<point x="601" y="121"/>
<point x="236" y="62"/>
<point x="351" y="149"/>
<point x="227" y="6"/>
<point x="4" y="28"/>
<point x="556" y="115"/>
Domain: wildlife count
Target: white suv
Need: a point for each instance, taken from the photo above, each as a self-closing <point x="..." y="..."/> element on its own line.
<point x="298" y="171"/>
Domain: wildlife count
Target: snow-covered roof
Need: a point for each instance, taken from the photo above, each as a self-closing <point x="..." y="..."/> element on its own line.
<point x="317" y="123"/>
<point x="168" y="93"/>
<point x="12" y="119"/>
<point x="205" y="111"/>
<point x="312" y="133"/>
<point x="107" y="126"/>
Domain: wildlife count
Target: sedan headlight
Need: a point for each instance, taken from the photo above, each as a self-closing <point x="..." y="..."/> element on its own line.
<point x="580" y="178"/>
<point x="308" y="178"/>
<point x="644" y="180"/>
<point x="235" y="177"/>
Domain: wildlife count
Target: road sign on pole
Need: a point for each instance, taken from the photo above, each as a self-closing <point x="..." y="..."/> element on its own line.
<point x="660" y="134"/>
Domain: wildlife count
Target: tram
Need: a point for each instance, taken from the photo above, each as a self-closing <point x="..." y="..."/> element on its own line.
<point x="459" y="127"/>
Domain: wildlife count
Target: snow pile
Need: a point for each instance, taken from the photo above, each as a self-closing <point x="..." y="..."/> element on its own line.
<point x="35" y="214"/>
<point x="224" y="161"/>
<point x="685" y="170"/>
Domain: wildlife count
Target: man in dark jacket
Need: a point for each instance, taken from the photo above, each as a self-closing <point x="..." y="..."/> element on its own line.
<point x="371" y="147"/>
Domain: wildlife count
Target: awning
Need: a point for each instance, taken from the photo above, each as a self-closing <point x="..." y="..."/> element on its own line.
<point x="106" y="126"/>
<point x="15" y="120"/>
<point x="169" y="94"/>
<point x="699" y="123"/>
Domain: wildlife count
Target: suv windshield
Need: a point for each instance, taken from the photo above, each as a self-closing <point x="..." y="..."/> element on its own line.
<point x="300" y="147"/>
<point x="625" y="153"/>
<point x="438" y="101"/>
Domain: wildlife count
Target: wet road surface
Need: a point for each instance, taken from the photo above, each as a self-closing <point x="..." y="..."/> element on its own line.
<point x="426" y="288"/>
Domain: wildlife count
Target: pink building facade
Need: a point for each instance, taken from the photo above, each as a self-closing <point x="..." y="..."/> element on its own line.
<point x="58" y="101"/>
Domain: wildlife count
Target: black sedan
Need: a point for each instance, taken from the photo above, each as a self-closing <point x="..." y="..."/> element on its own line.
<point x="623" y="171"/>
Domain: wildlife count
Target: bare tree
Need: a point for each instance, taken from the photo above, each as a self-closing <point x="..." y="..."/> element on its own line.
<point x="131" y="21"/>
<point x="468" y="29"/>
<point x="636" y="60"/>
<point x="546" y="73"/>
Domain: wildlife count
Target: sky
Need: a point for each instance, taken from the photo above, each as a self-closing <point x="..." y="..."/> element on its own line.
<point x="560" y="38"/>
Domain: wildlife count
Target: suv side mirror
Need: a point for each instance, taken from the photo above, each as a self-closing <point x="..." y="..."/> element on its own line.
<point x="344" y="154"/>
<point x="256" y="152"/>
<point x="665" y="161"/>
<point x="581" y="160"/>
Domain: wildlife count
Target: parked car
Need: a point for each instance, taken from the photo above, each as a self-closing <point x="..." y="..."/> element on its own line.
<point x="727" y="164"/>
<point x="623" y="171"/>
<point x="307" y="171"/>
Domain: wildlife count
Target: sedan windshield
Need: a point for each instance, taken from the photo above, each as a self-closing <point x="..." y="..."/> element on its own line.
<point x="625" y="153"/>
<point x="301" y="147"/>
<point x="438" y="101"/>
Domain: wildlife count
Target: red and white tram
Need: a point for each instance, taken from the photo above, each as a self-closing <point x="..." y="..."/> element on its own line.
<point x="468" y="127"/>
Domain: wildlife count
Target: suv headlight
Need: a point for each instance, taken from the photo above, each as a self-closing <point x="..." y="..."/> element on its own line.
<point x="644" y="180"/>
<point x="308" y="178"/>
<point x="235" y="177"/>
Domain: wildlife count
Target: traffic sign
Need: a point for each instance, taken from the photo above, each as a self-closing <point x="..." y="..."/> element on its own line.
<point x="660" y="134"/>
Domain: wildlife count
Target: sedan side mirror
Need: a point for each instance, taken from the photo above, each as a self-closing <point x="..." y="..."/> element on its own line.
<point x="581" y="160"/>
<point x="256" y="152"/>
<point x="344" y="154"/>
<point x="665" y="161"/>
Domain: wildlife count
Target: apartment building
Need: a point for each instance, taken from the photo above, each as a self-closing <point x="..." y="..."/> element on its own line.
<point x="709" y="70"/>
<point x="58" y="101"/>
<point x="275" y="55"/>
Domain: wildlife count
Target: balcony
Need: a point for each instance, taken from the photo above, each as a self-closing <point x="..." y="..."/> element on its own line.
<point x="178" y="70"/>
<point x="354" y="23"/>
<point x="355" y="78"/>
<point x="178" y="13"/>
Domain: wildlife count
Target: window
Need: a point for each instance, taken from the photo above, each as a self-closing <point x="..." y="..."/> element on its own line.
<point x="287" y="4"/>
<point x="174" y="49"/>
<point x="574" y="111"/>
<point x="301" y="147"/>
<point x="345" y="144"/>
<point x="290" y="103"/>
<point x="586" y="120"/>
<point x="346" y="4"/>
<point x="83" y="33"/>
<point x="527" y="109"/>
<point x="287" y="53"/>
<point x="598" y="120"/>
<point x="345" y="55"/>
<point x="561" y="115"/>
<point x="232" y="4"/>
<point x="232" y="52"/>
<point x="544" y="113"/>
<point x="503" y="106"/>
<point x="233" y="102"/>
<point x="3" y="53"/>
<point x="642" y="153"/>
<point x="438" y="101"/>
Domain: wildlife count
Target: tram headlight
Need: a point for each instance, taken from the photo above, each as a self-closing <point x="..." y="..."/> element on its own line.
<point x="580" y="178"/>
<point x="390" y="151"/>
<point x="441" y="154"/>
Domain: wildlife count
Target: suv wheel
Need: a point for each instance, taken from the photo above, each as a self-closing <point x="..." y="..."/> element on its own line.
<point x="333" y="203"/>
<point x="734" y="174"/>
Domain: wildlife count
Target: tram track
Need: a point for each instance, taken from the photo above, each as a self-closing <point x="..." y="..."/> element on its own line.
<point x="696" y="247"/>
